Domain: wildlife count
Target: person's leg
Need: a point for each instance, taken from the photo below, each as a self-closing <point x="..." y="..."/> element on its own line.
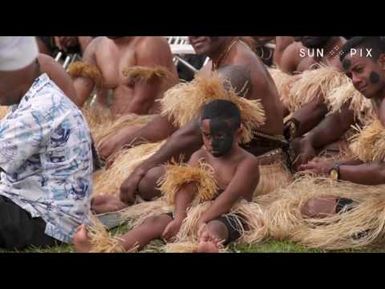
<point x="212" y="237"/>
<point x="19" y="230"/>
<point x="220" y="231"/>
<point x="325" y="206"/>
<point x="105" y="203"/>
<point x="148" y="188"/>
<point x="152" y="228"/>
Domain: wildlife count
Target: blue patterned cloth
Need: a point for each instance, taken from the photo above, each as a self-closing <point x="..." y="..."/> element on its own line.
<point x="46" y="159"/>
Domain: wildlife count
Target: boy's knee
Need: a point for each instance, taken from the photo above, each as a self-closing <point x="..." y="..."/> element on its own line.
<point x="218" y="228"/>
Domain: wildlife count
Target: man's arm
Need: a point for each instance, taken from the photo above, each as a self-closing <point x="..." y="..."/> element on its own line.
<point x="353" y="170"/>
<point x="152" y="52"/>
<point x="159" y="128"/>
<point x="243" y="184"/>
<point x="290" y="59"/>
<point x="58" y="75"/>
<point x="365" y="174"/>
<point x="309" y="115"/>
<point x="332" y="127"/>
<point x="84" y="86"/>
<point x="184" y="141"/>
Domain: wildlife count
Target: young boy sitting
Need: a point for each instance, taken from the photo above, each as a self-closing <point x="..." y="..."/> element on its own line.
<point x="236" y="175"/>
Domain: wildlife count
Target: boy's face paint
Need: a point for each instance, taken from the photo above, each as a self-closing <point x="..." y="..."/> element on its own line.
<point x="222" y="137"/>
<point x="218" y="136"/>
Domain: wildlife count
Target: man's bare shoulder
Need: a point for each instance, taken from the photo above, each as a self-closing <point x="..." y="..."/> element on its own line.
<point x="291" y="58"/>
<point x="95" y="46"/>
<point x="152" y="42"/>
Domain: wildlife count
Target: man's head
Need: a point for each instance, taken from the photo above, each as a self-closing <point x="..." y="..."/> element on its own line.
<point x="220" y="126"/>
<point x="363" y="60"/>
<point x="313" y="41"/>
<point x="17" y="66"/>
<point x="208" y="46"/>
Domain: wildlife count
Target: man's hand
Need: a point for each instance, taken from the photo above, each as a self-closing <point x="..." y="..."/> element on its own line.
<point x="320" y="167"/>
<point x="172" y="229"/>
<point x="129" y="188"/>
<point x="107" y="146"/>
<point x="303" y="150"/>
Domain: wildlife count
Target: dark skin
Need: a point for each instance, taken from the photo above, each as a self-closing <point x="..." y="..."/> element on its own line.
<point x="309" y="115"/>
<point x="261" y="87"/>
<point x="111" y="56"/>
<point x="328" y="131"/>
<point x="237" y="175"/>
<point x="14" y="84"/>
<point x="281" y="43"/>
<point x="238" y="63"/>
<point x="58" y="74"/>
<point x="368" y="76"/>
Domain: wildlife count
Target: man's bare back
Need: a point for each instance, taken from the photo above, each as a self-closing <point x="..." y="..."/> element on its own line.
<point x="112" y="56"/>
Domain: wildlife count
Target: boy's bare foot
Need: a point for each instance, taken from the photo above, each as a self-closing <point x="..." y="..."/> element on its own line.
<point x="208" y="244"/>
<point x="81" y="240"/>
<point x="105" y="204"/>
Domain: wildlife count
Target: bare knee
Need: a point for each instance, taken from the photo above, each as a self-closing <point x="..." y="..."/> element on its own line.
<point x="148" y="185"/>
<point x="319" y="207"/>
<point x="218" y="229"/>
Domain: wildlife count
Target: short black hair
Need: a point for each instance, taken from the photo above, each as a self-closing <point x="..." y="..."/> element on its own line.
<point x="222" y="109"/>
<point x="377" y="44"/>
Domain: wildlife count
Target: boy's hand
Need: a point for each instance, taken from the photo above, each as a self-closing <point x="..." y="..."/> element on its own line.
<point x="172" y="229"/>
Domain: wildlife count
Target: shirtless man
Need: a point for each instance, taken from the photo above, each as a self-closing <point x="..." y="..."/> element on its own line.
<point x="237" y="63"/>
<point x="111" y="55"/>
<point x="300" y="56"/>
<point x="235" y="171"/>
<point x="368" y="76"/>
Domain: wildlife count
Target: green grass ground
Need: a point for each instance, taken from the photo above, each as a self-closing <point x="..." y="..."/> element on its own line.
<point x="264" y="247"/>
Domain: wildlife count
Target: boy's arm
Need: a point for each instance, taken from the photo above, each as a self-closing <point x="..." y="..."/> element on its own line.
<point x="185" y="195"/>
<point x="183" y="199"/>
<point x="244" y="182"/>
